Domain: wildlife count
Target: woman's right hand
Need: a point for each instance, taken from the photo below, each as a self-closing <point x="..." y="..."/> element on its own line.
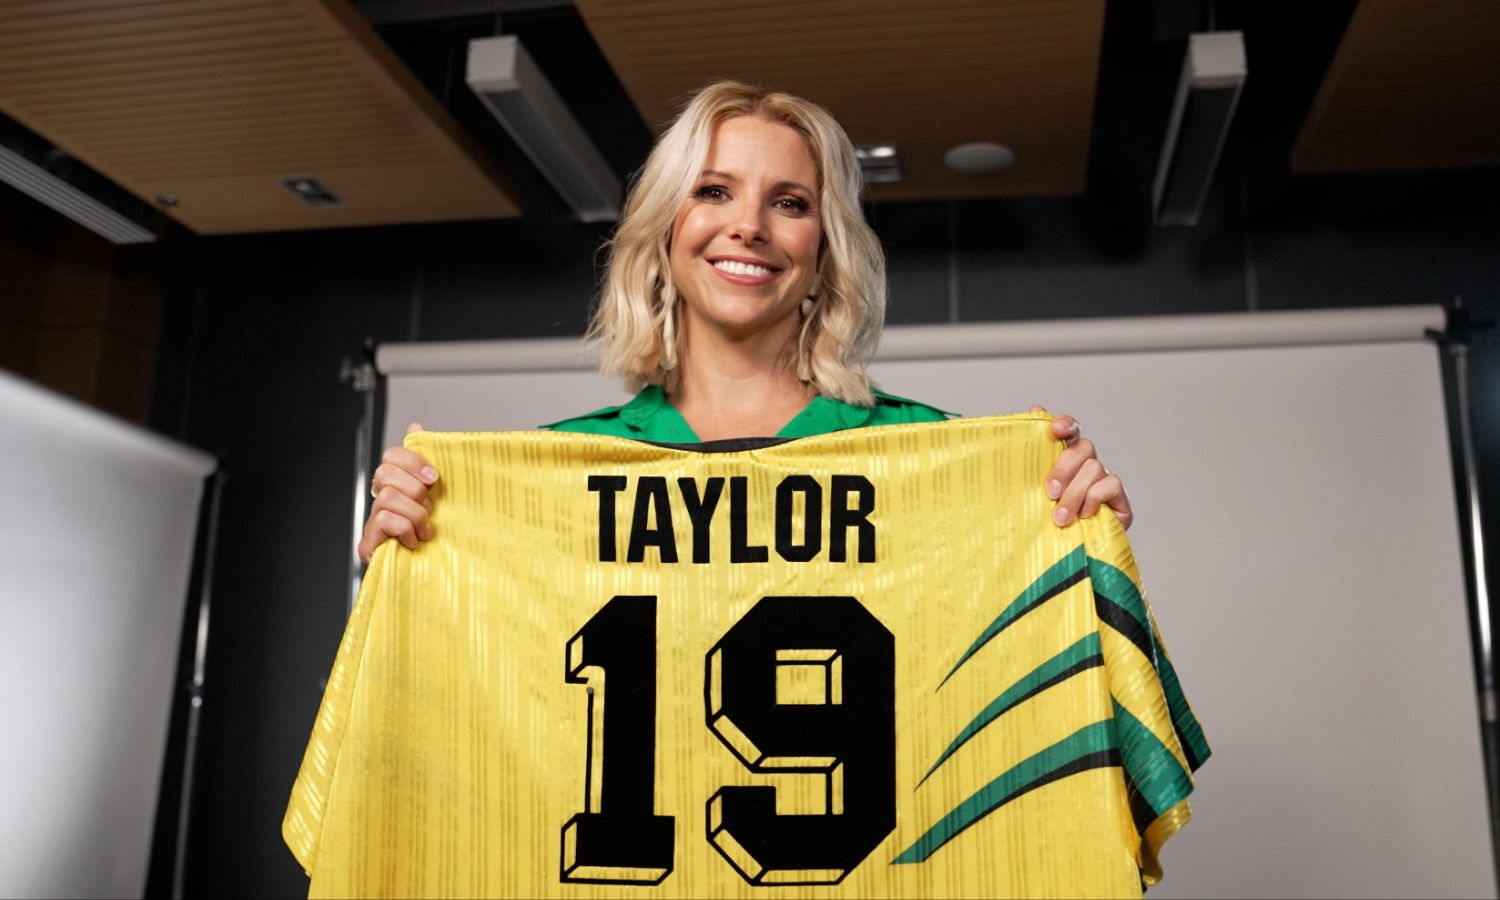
<point x="401" y="502"/>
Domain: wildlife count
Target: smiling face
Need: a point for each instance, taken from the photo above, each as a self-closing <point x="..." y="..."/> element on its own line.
<point x="744" y="249"/>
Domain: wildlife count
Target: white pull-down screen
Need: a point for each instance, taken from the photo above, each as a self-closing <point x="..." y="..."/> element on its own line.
<point x="93" y="575"/>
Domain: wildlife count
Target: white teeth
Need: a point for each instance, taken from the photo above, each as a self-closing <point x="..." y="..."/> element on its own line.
<point x="735" y="267"/>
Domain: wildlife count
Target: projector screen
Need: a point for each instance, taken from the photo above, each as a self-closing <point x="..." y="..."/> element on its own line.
<point x="96" y="563"/>
<point x="1297" y="532"/>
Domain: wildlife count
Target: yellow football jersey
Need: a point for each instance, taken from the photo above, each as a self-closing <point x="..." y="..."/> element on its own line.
<point x="864" y="664"/>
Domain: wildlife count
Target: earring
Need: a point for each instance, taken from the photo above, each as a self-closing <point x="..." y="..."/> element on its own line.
<point x="669" y="334"/>
<point x="808" y="303"/>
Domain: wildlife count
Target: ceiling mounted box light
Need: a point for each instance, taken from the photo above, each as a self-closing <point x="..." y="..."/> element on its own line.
<point x="508" y="82"/>
<point x="1213" y="73"/>
<point x="879" y="163"/>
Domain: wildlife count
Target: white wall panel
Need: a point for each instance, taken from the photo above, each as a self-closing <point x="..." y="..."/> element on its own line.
<point x="101" y="520"/>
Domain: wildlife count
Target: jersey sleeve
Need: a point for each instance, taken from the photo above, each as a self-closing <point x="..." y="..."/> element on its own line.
<point x="893" y="410"/>
<point x="1160" y="740"/>
<point x="302" y="826"/>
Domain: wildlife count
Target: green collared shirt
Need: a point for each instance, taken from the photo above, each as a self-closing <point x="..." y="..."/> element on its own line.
<point x="649" y="417"/>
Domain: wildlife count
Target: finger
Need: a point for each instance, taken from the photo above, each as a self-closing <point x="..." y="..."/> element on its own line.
<point x="1067" y="465"/>
<point x="1037" y="409"/>
<point x="1100" y="493"/>
<point x="389" y="476"/>
<point x="414" y="427"/>
<point x="374" y="535"/>
<point x="411" y="462"/>
<point x="394" y="515"/>
<point x="393" y="501"/>
<point x="1065" y="428"/>
<point x="1123" y="511"/>
<point x="367" y="543"/>
<point x="396" y="526"/>
<point x="1075" y="490"/>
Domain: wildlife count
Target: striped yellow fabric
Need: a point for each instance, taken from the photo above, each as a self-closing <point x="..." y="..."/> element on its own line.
<point x="863" y="664"/>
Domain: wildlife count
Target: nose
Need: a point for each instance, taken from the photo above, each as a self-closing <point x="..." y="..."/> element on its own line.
<point x="748" y="225"/>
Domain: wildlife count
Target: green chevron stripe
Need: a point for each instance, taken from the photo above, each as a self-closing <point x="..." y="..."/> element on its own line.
<point x="1053" y="670"/>
<point x="1116" y="585"/>
<point x="1090" y="747"/>
<point x="1150" y="768"/>
<point x="1189" y="731"/>
<point x="1063" y="573"/>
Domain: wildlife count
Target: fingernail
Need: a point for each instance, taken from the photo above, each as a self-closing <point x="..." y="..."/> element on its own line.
<point x="429" y="474"/>
<point x="1060" y="515"/>
<point x="1054" y="489"/>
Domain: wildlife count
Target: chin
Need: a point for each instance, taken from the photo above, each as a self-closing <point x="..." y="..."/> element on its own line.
<point x="743" y="323"/>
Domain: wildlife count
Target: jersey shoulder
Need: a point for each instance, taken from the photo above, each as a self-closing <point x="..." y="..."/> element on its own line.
<point x="606" y="421"/>
<point x="893" y="410"/>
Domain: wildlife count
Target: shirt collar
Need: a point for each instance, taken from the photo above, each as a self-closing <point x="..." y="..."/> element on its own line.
<point x="657" y="420"/>
<point x="824" y="415"/>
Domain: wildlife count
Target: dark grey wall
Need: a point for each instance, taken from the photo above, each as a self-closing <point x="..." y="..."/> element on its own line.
<point x="257" y="328"/>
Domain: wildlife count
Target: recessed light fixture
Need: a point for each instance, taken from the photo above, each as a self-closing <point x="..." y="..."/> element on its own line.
<point x="879" y="162"/>
<point x="979" y="158"/>
<point x="311" y="190"/>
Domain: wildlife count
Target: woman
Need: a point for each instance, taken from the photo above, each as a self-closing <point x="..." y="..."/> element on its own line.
<point x="744" y="296"/>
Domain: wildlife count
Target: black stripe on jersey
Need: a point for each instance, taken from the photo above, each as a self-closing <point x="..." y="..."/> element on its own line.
<point x="1100" y="760"/>
<point x="1118" y="618"/>
<point x="1015" y="615"/>
<point x="1189" y="752"/>
<point x="992" y="715"/>
<point x="1081" y="666"/>
<point x="1057" y="589"/>
<point x="1140" y="811"/>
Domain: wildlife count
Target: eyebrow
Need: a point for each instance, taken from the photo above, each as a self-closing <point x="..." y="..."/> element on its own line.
<point x="780" y="185"/>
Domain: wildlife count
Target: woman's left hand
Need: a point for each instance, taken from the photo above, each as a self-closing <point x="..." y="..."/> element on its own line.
<point x="1078" y="481"/>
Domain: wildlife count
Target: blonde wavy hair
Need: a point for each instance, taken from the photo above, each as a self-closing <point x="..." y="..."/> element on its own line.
<point x="635" y="320"/>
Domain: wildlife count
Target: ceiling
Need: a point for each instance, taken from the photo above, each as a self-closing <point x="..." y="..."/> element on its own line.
<point x="212" y="103"/>
<point x="925" y="76"/>
<point x="1415" y="84"/>
<point x="204" y="107"/>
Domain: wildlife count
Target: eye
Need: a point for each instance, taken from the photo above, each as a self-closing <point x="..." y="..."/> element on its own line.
<point x="793" y="204"/>
<point x="711" y="192"/>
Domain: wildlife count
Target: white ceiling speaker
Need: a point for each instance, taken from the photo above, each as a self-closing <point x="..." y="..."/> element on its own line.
<point x="1213" y="74"/>
<point x="979" y="158"/>
<point x="508" y="82"/>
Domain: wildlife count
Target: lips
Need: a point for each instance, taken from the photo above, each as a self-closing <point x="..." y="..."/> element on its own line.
<point x="743" y="271"/>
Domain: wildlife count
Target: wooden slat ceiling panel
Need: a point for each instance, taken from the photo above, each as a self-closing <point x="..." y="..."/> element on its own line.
<point x="214" y="102"/>
<point x="1415" y="84"/>
<point x="924" y="75"/>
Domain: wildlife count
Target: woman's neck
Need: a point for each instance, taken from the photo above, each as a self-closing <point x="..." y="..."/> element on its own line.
<point x="733" y="389"/>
